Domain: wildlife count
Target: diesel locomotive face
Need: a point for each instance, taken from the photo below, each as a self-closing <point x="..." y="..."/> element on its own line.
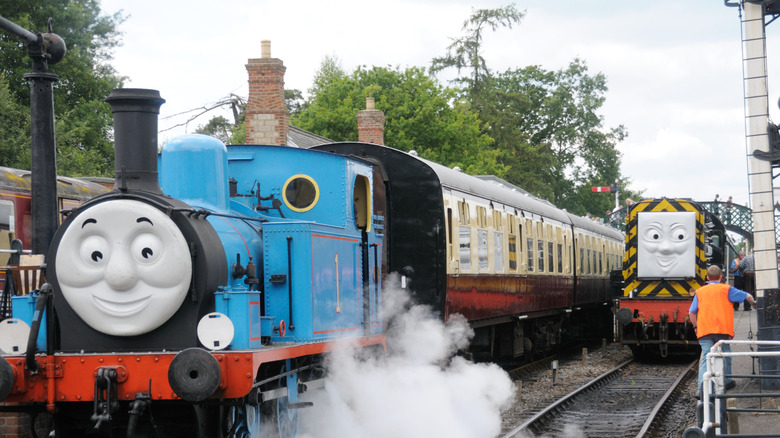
<point x="124" y="267"/>
<point x="666" y="245"/>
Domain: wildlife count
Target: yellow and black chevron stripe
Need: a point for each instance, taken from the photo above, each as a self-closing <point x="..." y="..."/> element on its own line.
<point x="663" y="288"/>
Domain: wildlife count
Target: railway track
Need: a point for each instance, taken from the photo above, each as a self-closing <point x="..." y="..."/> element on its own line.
<point x="628" y="400"/>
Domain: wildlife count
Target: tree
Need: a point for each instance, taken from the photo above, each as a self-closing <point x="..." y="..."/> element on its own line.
<point x="14" y="130"/>
<point x="420" y="114"/>
<point x="466" y="52"/>
<point x="294" y="101"/>
<point x="546" y="124"/>
<point x="83" y="119"/>
<point x="218" y="127"/>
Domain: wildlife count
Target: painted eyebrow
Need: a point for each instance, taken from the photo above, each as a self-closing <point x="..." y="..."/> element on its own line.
<point x="144" y="219"/>
<point x="88" y="221"/>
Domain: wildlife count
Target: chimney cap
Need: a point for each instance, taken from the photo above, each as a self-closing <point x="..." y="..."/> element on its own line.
<point x="369" y="103"/>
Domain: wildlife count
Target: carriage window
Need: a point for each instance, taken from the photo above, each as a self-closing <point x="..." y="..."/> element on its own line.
<point x="482" y="249"/>
<point x="497" y="223"/>
<point x="361" y="204"/>
<point x="601" y="262"/>
<point x="482" y="217"/>
<point x="512" y="252"/>
<point x="540" y="255"/>
<point x="449" y="224"/>
<point x="588" y="271"/>
<point x="300" y="193"/>
<point x="530" y="249"/>
<point x="560" y="258"/>
<point x="550" y="257"/>
<point x="520" y="240"/>
<point x="7" y="216"/>
<point x="463" y="213"/>
<point x="498" y="249"/>
<point x="465" y="248"/>
<point x="7" y="228"/>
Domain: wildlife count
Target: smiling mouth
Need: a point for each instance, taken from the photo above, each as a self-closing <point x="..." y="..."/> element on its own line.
<point x="665" y="262"/>
<point x="121" y="309"/>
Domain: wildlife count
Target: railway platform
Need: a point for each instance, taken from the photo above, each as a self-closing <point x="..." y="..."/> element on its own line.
<point x="752" y="407"/>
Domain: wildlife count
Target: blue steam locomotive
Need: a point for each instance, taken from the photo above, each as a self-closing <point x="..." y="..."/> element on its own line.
<point x="208" y="293"/>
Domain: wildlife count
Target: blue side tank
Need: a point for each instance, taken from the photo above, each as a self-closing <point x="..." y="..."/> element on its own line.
<point x="303" y="217"/>
<point x="194" y="170"/>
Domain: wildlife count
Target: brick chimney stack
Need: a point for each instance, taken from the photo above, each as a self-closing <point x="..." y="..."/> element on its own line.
<point x="267" y="117"/>
<point x="371" y="124"/>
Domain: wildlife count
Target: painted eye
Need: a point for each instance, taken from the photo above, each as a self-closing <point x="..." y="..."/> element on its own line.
<point x="146" y="248"/>
<point x="679" y="234"/>
<point x="653" y="235"/>
<point x="94" y="251"/>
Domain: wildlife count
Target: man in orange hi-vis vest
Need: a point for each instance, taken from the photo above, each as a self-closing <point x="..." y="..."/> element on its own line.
<point x="712" y="314"/>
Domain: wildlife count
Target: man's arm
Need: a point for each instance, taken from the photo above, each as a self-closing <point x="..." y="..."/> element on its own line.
<point x="751" y="300"/>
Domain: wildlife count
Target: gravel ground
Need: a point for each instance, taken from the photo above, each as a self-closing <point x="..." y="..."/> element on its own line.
<point x="538" y="391"/>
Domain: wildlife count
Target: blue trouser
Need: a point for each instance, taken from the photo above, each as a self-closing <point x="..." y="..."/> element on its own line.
<point x="706" y="343"/>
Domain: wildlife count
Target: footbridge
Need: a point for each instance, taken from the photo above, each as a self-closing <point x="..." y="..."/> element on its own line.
<point x="737" y="218"/>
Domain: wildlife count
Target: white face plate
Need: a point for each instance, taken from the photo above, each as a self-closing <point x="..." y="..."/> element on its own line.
<point x="124" y="267"/>
<point x="13" y="336"/>
<point x="666" y="245"/>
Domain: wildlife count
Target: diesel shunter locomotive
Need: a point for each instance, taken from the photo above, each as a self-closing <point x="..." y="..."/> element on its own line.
<point x="669" y="245"/>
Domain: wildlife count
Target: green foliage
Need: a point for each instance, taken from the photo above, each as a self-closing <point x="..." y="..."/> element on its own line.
<point x="466" y="52"/>
<point x="218" y="127"/>
<point x="238" y="135"/>
<point x="83" y="145"/>
<point x="546" y="124"/>
<point x="83" y="120"/>
<point x="221" y="128"/>
<point x="418" y="111"/>
<point x="14" y="130"/>
<point x="295" y="101"/>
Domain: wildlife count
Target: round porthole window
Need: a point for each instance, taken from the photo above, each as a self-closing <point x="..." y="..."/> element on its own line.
<point x="300" y="193"/>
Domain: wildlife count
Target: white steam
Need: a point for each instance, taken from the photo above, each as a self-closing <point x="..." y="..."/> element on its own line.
<point x="418" y="389"/>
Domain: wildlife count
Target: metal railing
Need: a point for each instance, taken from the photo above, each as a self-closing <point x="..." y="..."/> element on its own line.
<point x="719" y="412"/>
<point x="737" y="218"/>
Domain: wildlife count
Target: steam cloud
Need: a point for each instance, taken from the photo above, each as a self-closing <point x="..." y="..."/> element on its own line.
<point x="419" y="389"/>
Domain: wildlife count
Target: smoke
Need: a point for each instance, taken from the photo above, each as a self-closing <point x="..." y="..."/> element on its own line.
<point x="418" y="389"/>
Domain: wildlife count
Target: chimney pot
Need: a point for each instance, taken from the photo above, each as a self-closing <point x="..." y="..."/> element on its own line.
<point x="265" y="48"/>
<point x="371" y="124"/>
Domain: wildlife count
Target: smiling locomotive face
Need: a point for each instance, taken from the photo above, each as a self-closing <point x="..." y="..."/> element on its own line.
<point x="666" y="247"/>
<point x="124" y="267"/>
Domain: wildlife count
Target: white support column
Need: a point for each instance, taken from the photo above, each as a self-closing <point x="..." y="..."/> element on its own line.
<point x="756" y="122"/>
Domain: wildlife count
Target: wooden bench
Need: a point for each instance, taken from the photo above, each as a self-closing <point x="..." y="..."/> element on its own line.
<point x="28" y="275"/>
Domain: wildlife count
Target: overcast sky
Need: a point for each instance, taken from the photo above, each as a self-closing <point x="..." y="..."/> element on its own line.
<point x="673" y="67"/>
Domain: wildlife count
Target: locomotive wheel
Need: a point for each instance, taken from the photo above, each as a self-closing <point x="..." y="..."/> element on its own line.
<point x="277" y="416"/>
<point x="244" y="421"/>
<point x="282" y="419"/>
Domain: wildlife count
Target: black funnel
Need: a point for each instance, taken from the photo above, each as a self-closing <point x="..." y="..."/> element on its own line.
<point x="135" y="137"/>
